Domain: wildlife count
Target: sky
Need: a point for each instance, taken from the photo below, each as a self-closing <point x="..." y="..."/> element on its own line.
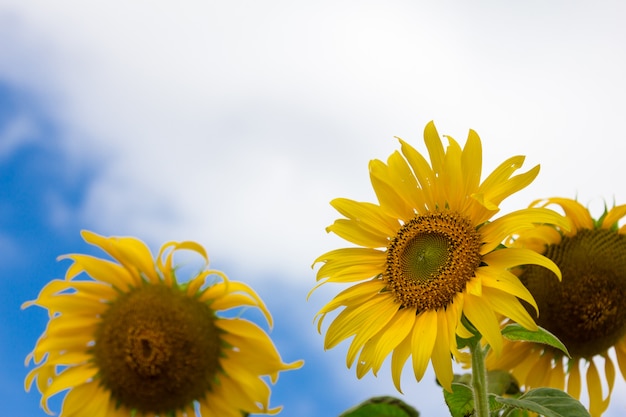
<point x="235" y="123"/>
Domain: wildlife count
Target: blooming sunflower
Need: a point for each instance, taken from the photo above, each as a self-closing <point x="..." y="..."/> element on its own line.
<point x="133" y="341"/>
<point x="586" y="310"/>
<point x="426" y="255"/>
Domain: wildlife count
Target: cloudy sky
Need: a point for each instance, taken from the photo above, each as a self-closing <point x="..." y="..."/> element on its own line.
<point x="235" y="123"/>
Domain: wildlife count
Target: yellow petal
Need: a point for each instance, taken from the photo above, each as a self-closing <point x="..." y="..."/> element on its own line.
<point x="355" y="318"/>
<point x="70" y="377"/>
<point x="620" y="354"/>
<point x="594" y="387"/>
<point x="442" y="362"/>
<point x="423" y="173"/>
<point x="435" y="147"/>
<point x="573" y="382"/>
<point x="509" y="306"/>
<point x="471" y="161"/>
<point x="385" y="313"/>
<point x="389" y="193"/>
<point x="613" y="216"/>
<point x="100" y="270"/>
<point x="497" y="231"/>
<point x="512" y="257"/>
<point x="507" y="282"/>
<point x="399" y="357"/>
<point x="354" y="232"/>
<point x="452" y="176"/>
<point x="575" y="212"/>
<point x="369" y="216"/>
<point x="423" y="340"/>
<point x="480" y="314"/>
<point x="380" y="346"/>
<point x="513" y="185"/>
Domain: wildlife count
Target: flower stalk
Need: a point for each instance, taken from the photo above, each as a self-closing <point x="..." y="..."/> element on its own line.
<point x="479" y="379"/>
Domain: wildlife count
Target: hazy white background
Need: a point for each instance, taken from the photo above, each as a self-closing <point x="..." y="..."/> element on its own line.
<point x="234" y="123"/>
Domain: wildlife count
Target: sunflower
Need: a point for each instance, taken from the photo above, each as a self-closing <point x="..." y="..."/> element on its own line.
<point x="426" y="256"/>
<point x="586" y="310"/>
<point x="131" y="340"/>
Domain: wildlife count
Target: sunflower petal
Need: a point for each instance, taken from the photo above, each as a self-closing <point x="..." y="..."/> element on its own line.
<point x="423" y="341"/>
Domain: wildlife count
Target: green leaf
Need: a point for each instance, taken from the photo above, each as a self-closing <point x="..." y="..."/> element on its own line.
<point x="460" y="401"/>
<point x="382" y="407"/>
<point x="515" y="332"/>
<point x="548" y="402"/>
<point x="501" y="382"/>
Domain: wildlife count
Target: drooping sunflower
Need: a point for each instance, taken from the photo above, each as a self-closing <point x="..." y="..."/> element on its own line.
<point x="426" y="255"/>
<point x="586" y="310"/>
<point x="130" y="340"/>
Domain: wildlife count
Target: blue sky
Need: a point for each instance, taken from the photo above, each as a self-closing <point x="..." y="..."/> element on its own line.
<point x="235" y="123"/>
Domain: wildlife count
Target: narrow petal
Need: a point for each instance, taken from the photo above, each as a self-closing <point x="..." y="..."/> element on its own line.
<point x="370" y="216"/>
<point x="435" y="147"/>
<point x="69" y="378"/>
<point x="471" y="162"/>
<point x="613" y="216"/>
<point x="399" y="358"/>
<point x="452" y="176"/>
<point x="422" y="341"/>
<point x="354" y="319"/>
<point x="387" y="340"/>
<point x="388" y="193"/>
<point x="480" y="314"/>
<point x="512" y="257"/>
<point x="513" y="185"/>
<point x="423" y="172"/>
<point x="442" y="362"/>
<point x="577" y="214"/>
<point x="507" y="282"/>
<point x="507" y="305"/>
<point x="354" y="232"/>
<point x="100" y="270"/>
<point x="620" y="354"/>
<point x="384" y="314"/>
<point x="495" y="232"/>
<point x="594" y="387"/>
<point x="574" y="381"/>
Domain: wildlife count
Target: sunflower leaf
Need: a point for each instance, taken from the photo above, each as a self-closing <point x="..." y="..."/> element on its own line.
<point x="460" y="401"/>
<point x="515" y="332"/>
<point x="548" y="402"/>
<point x="382" y="407"/>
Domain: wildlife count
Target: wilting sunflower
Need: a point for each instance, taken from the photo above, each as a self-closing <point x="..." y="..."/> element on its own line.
<point x="426" y="255"/>
<point x="130" y="340"/>
<point x="586" y="310"/>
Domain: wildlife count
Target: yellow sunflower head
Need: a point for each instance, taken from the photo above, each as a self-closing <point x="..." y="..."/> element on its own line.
<point x="131" y="340"/>
<point x="586" y="310"/>
<point x="426" y="255"/>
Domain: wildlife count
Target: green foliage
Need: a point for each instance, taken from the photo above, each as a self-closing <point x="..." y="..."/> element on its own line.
<point x="548" y="402"/>
<point x="515" y="332"/>
<point x="382" y="407"/>
<point x="460" y="401"/>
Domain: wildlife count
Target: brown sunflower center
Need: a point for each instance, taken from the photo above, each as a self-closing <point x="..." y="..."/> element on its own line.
<point x="157" y="349"/>
<point x="431" y="259"/>
<point x="587" y="310"/>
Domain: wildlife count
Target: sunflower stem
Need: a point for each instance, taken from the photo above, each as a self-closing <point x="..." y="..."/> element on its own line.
<point x="479" y="379"/>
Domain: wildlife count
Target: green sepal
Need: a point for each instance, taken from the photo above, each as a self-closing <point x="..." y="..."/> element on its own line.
<point x="515" y="332"/>
<point x="382" y="407"/>
<point x="548" y="402"/>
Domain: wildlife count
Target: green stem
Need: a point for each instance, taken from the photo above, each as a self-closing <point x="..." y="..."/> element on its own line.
<point x="479" y="380"/>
